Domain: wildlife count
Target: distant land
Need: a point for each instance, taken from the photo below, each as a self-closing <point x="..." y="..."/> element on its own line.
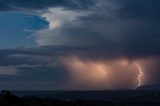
<point x="142" y="96"/>
<point x="149" y="87"/>
<point x="92" y="94"/>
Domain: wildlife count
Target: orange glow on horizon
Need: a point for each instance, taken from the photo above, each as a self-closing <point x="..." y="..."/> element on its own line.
<point x="109" y="74"/>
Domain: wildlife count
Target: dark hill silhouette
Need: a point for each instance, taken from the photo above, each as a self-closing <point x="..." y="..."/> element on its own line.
<point x="144" y="99"/>
<point x="150" y="87"/>
<point x="8" y="99"/>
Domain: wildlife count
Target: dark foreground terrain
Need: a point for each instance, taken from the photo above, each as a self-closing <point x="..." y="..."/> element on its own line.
<point x="80" y="98"/>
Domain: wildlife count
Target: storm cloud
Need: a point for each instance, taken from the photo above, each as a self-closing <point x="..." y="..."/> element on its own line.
<point x="91" y="30"/>
<point x="110" y="27"/>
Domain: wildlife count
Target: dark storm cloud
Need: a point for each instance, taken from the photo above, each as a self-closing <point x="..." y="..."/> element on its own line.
<point x="140" y="40"/>
<point x="37" y="73"/>
<point x="7" y="5"/>
<point x="15" y="58"/>
<point x="141" y="9"/>
<point x="35" y="65"/>
<point x="115" y="27"/>
<point x="112" y="29"/>
<point x="33" y="56"/>
<point x="132" y="30"/>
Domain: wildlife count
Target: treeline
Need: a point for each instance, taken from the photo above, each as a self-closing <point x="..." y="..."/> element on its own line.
<point x="8" y="99"/>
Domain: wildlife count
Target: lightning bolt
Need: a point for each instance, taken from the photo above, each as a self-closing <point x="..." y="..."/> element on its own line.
<point x="140" y="75"/>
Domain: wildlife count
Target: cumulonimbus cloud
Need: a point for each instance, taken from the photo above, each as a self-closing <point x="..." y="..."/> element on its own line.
<point x="107" y="30"/>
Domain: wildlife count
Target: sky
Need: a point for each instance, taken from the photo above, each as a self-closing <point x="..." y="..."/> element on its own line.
<point x="79" y="44"/>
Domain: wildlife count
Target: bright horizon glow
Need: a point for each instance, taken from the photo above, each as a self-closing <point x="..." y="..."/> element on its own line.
<point x="107" y="74"/>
